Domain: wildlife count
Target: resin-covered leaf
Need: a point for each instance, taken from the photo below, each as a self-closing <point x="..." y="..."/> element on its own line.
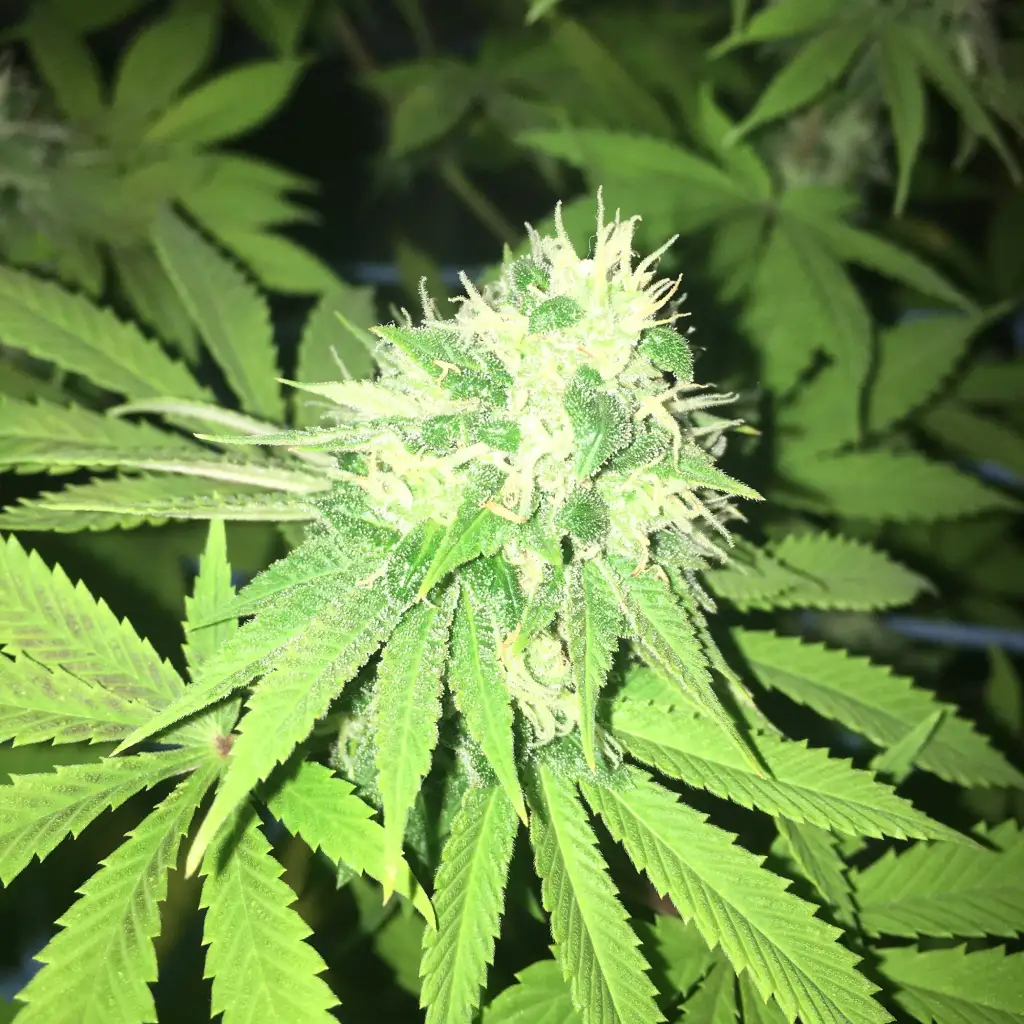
<point x="594" y="625"/>
<point x="668" y="643"/>
<point x="600" y="422"/>
<point x="39" y="811"/>
<point x="409" y="688"/>
<point x="292" y="696"/>
<point x="477" y="680"/>
<point x="39" y="704"/>
<point x="63" y="627"/>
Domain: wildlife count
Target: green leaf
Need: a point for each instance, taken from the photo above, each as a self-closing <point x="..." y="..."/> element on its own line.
<point x="277" y="263"/>
<point x="314" y="803"/>
<point x="1004" y="692"/>
<point x="469" y="893"/>
<point x="852" y="245"/>
<point x="99" y="967"/>
<point x="39" y="811"/>
<point x="668" y="643"/>
<point x="37" y="704"/>
<point x="431" y="107"/>
<point x="50" y="438"/>
<point x="806" y="784"/>
<point x="231" y="104"/>
<point x="262" y="970"/>
<point x="290" y="698"/>
<point x="716" y="1000"/>
<point x="54" y="325"/>
<point x="594" y="624"/>
<point x="816" y="853"/>
<point x="125" y="502"/>
<point x="737" y="903"/>
<point x="62" y="627"/>
<point x="755" y="1009"/>
<point x="677" y="184"/>
<point x="232" y="317"/>
<point x="952" y="986"/>
<point x="816" y="65"/>
<point x="212" y="590"/>
<point x="98" y="14"/>
<point x="781" y="20"/>
<point x="992" y="384"/>
<point x="476" y="678"/>
<point x="540" y="996"/>
<point x="872" y="701"/>
<point x="824" y="414"/>
<point x="162" y="60"/>
<point x="278" y="627"/>
<point x="595" y="945"/>
<point x="889" y="486"/>
<point x="897" y="763"/>
<point x="154" y="299"/>
<point x="830" y="315"/>
<point x="905" y="98"/>
<point x="409" y="688"/>
<point x="615" y="97"/>
<point x="679" y="954"/>
<point x="279" y="23"/>
<point x="65" y="63"/>
<point x="967" y="433"/>
<point x="835" y="571"/>
<point x="947" y="890"/>
<point x="916" y="358"/>
<point x="920" y="42"/>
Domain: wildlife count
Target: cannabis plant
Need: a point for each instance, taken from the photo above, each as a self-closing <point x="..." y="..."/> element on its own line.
<point x="504" y="591"/>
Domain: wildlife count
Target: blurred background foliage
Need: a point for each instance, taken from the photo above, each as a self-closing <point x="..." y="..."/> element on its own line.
<point x="846" y="180"/>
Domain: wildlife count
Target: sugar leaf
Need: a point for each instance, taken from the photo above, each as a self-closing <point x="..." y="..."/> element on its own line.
<point x="594" y="625"/>
<point x="477" y="680"/>
<point x="409" y="687"/>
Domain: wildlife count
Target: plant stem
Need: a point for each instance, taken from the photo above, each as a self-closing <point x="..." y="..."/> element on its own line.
<point x="486" y="212"/>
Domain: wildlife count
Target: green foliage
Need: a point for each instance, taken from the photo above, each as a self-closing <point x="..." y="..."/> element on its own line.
<point x="508" y="529"/>
<point x="260" y="966"/>
<point x="468" y="896"/>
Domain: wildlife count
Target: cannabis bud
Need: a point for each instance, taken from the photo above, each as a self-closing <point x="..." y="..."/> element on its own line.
<point x="547" y="425"/>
